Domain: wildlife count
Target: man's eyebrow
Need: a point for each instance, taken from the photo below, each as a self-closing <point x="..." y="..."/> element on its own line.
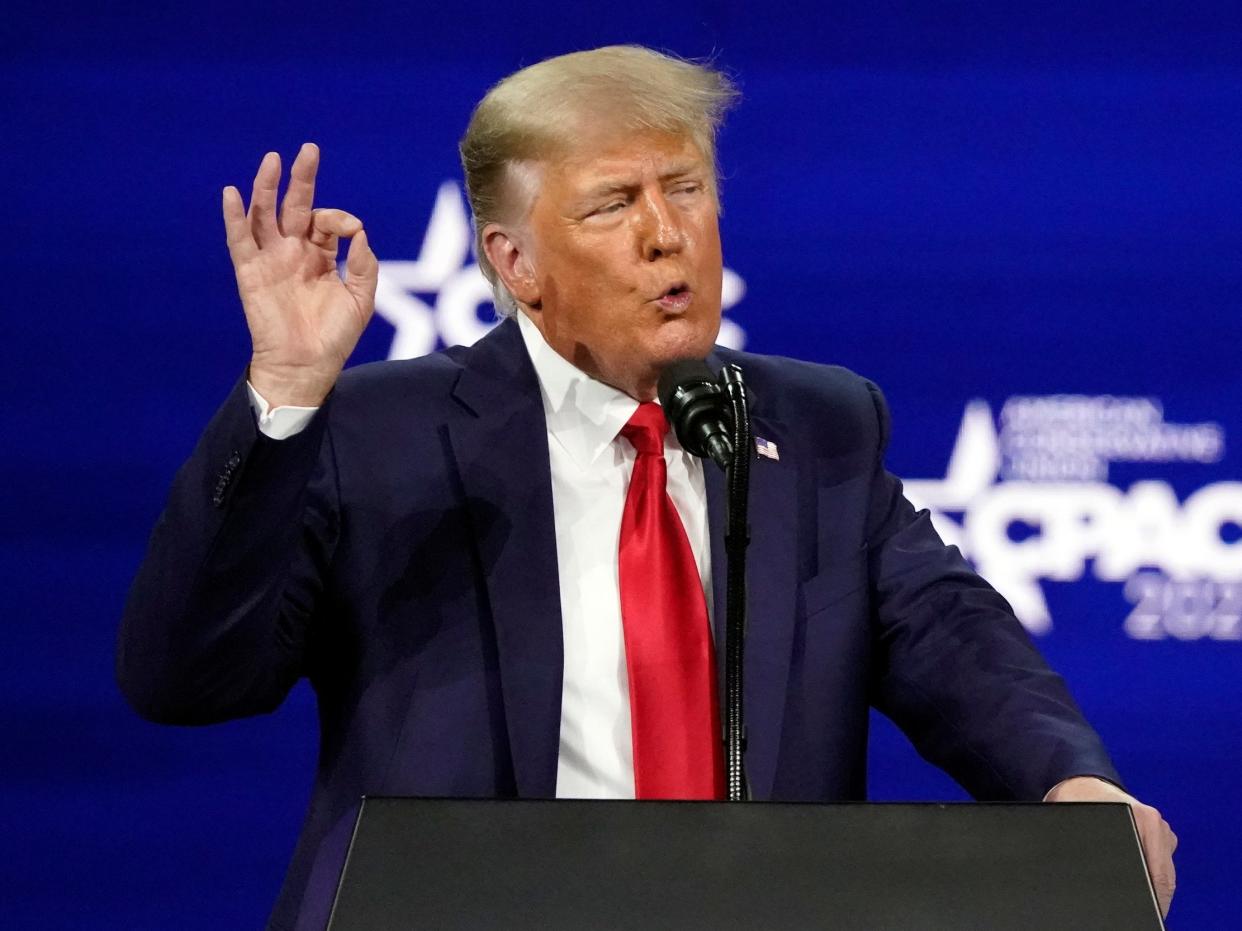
<point x="621" y="185"/>
<point x="680" y="170"/>
<point x="611" y="186"/>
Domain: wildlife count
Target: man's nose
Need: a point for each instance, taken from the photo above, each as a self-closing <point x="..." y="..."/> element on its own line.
<point x="662" y="229"/>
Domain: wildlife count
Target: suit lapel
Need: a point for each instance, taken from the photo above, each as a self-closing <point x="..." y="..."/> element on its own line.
<point x="502" y="458"/>
<point x="771" y="601"/>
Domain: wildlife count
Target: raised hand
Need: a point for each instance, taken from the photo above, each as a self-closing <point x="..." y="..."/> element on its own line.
<point x="304" y="317"/>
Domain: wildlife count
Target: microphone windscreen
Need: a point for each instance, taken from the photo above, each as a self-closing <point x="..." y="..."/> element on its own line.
<point x="680" y="374"/>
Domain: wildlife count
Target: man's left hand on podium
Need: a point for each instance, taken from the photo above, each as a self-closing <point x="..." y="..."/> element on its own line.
<point x="1157" y="837"/>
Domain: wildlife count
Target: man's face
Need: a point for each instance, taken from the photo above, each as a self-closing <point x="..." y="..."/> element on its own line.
<point x="624" y="255"/>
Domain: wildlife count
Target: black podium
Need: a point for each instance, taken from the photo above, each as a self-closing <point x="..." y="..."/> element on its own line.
<point x="447" y="864"/>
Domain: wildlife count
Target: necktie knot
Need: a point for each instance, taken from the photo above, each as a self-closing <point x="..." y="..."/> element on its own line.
<point x="646" y="428"/>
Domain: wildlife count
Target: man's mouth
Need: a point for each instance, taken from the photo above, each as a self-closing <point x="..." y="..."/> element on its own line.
<point x="677" y="297"/>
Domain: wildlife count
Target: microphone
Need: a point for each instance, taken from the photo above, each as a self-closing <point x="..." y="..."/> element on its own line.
<point x="698" y="410"/>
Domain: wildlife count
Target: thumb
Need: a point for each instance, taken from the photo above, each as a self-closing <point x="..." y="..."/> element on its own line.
<point x="361" y="270"/>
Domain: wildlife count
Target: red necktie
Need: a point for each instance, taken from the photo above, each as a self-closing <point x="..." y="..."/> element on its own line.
<point x="668" y="647"/>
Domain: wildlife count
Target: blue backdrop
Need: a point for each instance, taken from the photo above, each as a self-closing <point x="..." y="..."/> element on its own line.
<point x="1041" y="211"/>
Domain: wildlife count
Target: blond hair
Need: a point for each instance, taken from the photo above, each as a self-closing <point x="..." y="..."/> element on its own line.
<point x="531" y="115"/>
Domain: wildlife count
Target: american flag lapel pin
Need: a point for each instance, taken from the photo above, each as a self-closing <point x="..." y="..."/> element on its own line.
<point x="767" y="449"/>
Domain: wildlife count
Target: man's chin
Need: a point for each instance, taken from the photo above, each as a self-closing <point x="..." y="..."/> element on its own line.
<point x="681" y="339"/>
<point x="637" y="371"/>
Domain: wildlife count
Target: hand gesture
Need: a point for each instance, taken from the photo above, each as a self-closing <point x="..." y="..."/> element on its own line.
<point x="304" y="317"/>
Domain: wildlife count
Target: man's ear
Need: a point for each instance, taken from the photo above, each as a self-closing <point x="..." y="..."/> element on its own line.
<point x="512" y="262"/>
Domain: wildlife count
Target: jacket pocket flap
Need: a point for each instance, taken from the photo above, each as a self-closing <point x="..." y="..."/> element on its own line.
<point x="833" y="584"/>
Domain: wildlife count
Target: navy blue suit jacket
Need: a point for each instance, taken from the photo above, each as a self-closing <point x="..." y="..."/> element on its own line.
<point x="400" y="554"/>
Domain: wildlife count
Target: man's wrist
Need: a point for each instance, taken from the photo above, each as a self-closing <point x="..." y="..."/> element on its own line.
<point x="290" y="387"/>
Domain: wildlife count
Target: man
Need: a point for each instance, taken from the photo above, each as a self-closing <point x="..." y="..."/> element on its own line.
<point x="469" y="555"/>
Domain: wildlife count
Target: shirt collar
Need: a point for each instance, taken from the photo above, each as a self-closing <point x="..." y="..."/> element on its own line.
<point x="583" y="415"/>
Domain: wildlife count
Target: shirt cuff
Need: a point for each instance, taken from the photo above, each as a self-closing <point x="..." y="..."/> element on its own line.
<point x="278" y="423"/>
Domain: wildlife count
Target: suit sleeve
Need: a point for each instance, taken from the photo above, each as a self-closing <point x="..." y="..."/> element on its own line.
<point x="220" y="616"/>
<point x="957" y="672"/>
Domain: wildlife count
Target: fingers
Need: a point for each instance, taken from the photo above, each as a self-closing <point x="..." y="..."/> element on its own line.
<point x="1164" y="873"/>
<point x="361" y="271"/>
<point x="1163" y="879"/>
<point x="1159" y="842"/>
<point x="295" y="209"/>
<point x="236" y="229"/>
<point x="1165" y="883"/>
<point x="263" y="201"/>
<point x="249" y="231"/>
<point x="327" y="225"/>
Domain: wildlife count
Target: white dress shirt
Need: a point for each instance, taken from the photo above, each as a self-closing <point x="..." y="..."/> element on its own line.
<point x="591" y="468"/>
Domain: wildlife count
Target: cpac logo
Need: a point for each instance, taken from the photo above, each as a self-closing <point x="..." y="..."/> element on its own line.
<point x="436" y="299"/>
<point x="1035" y="504"/>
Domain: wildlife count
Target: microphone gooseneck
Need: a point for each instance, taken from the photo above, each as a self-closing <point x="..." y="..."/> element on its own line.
<point x="712" y="418"/>
<point x="737" y="538"/>
<point x="698" y="410"/>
